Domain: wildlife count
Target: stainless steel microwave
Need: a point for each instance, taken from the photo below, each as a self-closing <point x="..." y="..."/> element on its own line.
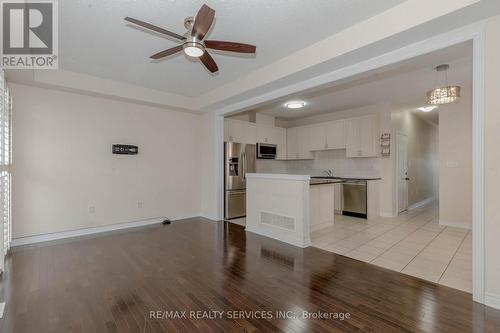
<point x="266" y="151"/>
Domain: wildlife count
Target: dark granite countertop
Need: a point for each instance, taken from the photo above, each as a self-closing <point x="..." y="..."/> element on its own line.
<point x="318" y="181"/>
<point x="336" y="180"/>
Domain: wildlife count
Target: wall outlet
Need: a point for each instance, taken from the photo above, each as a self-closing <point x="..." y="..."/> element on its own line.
<point x="91" y="209"/>
<point x="139" y="204"/>
<point x="452" y="164"/>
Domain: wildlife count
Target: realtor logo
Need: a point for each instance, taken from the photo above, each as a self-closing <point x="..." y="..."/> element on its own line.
<point x="29" y="34"/>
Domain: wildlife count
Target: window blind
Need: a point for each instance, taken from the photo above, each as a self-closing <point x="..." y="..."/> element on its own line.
<point x="5" y="162"/>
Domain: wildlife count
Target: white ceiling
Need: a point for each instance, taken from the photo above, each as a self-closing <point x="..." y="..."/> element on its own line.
<point x="95" y="40"/>
<point x="402" y="85"/>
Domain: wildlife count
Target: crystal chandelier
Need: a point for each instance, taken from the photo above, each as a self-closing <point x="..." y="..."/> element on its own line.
<point x="444" y="94"/>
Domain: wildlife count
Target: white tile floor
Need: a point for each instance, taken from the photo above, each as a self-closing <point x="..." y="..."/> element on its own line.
<point x="412" y="243"/>
<point x="240" y="221"/>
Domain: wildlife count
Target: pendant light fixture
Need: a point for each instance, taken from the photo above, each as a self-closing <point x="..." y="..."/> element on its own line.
<point x="443" y="94"/>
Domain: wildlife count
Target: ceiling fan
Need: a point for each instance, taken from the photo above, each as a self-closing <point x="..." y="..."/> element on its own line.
<point x="193" y="43"/>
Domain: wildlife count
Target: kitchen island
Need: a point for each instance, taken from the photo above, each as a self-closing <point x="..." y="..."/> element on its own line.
<point x="280" y="206"/>
<point x="289" y="207"/>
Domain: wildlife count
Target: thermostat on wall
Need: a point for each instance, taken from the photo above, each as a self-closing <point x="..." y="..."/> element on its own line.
<point x="125" y="150"/>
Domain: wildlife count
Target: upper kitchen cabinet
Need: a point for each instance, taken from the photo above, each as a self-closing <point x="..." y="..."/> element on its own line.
<point x="362" y="136"/>
<point x="240" y="131"/>
<point x="280" y="133"/>
<point x="298" y="146"/>
<point x="273" y="135"/>
<point x="327" y="136"/>
<point x="266" y="134"/>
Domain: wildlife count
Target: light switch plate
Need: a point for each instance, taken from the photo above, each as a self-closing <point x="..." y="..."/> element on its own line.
<point x="2" y="309"/>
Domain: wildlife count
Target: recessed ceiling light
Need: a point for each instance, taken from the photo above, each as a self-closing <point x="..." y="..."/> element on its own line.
<point x="428" y="108"/>
<point x="295" y="104"/>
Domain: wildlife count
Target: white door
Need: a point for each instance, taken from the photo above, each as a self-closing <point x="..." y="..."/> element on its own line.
<point x="402" y="171"/>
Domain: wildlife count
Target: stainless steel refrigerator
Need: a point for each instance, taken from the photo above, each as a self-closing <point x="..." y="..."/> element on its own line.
<point x="239" y="159"/>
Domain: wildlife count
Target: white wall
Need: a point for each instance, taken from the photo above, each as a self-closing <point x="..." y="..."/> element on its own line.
<point x="62" y="162"/>
<point x="492" y="160"/>
<point x="455" y="162"/>
<point x="208" y="167"/>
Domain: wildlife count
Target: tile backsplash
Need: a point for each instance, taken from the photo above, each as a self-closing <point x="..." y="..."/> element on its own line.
<point x="335" y="160"/>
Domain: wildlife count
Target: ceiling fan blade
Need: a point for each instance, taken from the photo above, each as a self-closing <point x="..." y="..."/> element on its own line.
<point x="168" y="52"/>
<point x="230" y="46"/>
<point x="209" y="62"/>
<point x="203" y="22"/>
<point x="155" y="28"/>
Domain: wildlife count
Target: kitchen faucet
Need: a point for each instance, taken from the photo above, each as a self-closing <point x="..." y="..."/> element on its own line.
<point x="329" y="173"/>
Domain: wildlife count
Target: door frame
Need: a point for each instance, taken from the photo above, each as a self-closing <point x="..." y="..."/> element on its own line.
<point x="396" y="174"/>
<point x="474" y="33"/>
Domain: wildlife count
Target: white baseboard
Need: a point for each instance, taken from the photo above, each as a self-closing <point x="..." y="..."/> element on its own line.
<point x="281" y="237"/>
<point x="455" y="224"/>
<point x="492" y="300"/>
<point x="421" y="203"/>
<point x="213" y="218"/>
<point x="385" y="214"/>
<point x="94" y="230"/>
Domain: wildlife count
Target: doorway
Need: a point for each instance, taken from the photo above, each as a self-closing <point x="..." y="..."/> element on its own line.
<point x="402" y="171"/>
<point x="440" y="42"/>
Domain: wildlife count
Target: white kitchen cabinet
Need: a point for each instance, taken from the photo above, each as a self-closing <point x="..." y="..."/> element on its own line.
<point x="321" y="206"/>
<point x="280" y="134"/>
<point x="362" y="136"/>
<point x="317" y="137"/>
<point x="327" y="136"/>
<point x="239" y="131"/>
<point x="273" y="135"/>
<point x="335" y="134"/>
<point x="298" y="147"/>
<point x="265" y="134"/>
<point x="292" y="145"/>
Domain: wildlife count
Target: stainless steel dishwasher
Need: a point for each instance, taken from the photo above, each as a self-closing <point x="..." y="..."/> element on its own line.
<point x="354" y="198"/>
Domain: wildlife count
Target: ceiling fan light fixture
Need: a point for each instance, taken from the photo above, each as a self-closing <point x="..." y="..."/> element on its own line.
<point x="193" y="49"/>
<point x="295" y="104"/>
<point x="193" y="41"/>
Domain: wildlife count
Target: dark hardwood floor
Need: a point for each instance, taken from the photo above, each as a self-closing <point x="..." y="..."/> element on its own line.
<point x="112" y="283"/>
